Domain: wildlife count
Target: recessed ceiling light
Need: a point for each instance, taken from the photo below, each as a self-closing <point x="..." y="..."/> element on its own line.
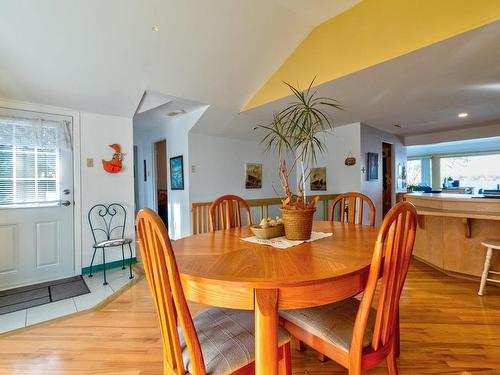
<point x="155" y="28"/>
<point x="463" y="114"/>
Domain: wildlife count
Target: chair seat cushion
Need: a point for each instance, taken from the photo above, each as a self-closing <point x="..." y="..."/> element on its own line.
<point x="227" y="340"/>
<point x="113" y="242"/>
<point x="332" y="323"/>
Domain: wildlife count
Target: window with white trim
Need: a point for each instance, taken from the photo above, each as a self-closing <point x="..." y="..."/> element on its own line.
<point x="414" y="172"/>
<point x="29" y="160"/>
<point x="476" y="171"/>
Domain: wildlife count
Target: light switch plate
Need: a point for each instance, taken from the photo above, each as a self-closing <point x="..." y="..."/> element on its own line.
<point x="193" y="168"/>
<point x="90" y="163"/>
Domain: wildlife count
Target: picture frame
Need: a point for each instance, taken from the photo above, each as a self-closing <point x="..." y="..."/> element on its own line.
<point x="317" y="179"/>
<point x="177" y="173"/>
<point x="253" y="176"/>
<point x="372" y="166"/>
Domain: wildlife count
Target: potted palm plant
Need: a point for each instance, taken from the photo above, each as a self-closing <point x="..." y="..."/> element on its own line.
<point x="299" y="130"/>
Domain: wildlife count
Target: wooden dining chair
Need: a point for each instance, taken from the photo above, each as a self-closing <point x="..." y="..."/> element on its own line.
<point x="351" y="208"/>
<point x="225" y="213"/>
<point x="351" y="332"/>
<point x="217" y="341"/>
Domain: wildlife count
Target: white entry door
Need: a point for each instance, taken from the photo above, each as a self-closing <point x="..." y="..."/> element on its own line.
<point x="36" y="198"/>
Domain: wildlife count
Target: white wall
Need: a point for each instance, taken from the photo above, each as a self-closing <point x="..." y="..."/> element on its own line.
<point x="358" y="139"/>
<point x="371" y="141"/>
<point x="98" y="186"/>
<point x="343" y="142"/>
<point x="220" y="169"/>
<point x="147" y="131"/>
<point x="219" y="164"/>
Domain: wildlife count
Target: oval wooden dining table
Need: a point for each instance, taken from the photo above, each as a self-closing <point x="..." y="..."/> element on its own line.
<point x="220" y="269"/>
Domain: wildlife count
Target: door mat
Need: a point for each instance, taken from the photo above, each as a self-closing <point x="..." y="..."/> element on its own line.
<point x="39" y="294"/>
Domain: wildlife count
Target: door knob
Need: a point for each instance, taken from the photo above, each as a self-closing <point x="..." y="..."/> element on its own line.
<point x="65" y="203"/>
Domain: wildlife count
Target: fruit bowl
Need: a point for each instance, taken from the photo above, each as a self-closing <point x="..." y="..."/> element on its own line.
<point x="269" y="232"/>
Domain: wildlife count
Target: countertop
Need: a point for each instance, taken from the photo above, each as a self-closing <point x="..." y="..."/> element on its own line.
<point x="453" y="197"/>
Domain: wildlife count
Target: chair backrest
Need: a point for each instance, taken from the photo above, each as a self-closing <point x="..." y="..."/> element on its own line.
<point x="351" y="208"/>
<point x="107" y="222"/>
<point x="165" y="285"/>
<point x="391" y="259"/>
<point x="225" y="212"/>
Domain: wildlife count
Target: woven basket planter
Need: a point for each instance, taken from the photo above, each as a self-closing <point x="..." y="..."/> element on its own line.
<point x="298" y="223"/>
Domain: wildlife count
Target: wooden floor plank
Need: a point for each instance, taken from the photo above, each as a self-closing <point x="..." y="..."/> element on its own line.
<point x="445" y="329"/>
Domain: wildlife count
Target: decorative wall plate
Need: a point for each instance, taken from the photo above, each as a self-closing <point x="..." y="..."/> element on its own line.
<point x="350" y="160"/>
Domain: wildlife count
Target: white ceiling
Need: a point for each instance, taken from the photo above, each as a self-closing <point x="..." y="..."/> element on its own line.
<point x="151" y="100"/>
<point x="157" y="116"/>
<point x="318" y="11"/>
<point x="101" y="56"/>
<point x="422" y="91"/>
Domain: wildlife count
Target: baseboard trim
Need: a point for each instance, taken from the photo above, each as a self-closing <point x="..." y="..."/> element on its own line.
<point x="110" y="265"/>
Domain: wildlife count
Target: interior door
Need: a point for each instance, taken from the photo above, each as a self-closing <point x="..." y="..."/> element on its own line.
<point x="387" y="178"/>
<point x="36" y="198"/>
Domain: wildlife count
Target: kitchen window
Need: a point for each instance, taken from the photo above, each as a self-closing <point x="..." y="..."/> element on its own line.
<point x="476" y="171"/>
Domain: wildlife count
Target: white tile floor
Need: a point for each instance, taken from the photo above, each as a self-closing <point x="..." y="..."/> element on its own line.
<point x="117" y="278"/>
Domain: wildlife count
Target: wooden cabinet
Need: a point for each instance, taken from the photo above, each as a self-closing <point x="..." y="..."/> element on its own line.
<point x="451" y="228"/>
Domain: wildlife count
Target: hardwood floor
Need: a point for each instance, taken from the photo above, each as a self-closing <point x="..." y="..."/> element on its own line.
<point x="445" y="329"/>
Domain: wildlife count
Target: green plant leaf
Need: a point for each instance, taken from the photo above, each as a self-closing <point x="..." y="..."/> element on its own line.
<point x="297" y="128"/>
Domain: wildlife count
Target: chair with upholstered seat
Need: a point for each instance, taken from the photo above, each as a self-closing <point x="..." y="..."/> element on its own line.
<point x="225" y="213"/>
<point x="352" y="332"/>
<point x="107" y="224"/>
<point x="217" y="341"/>
<point x="351" y="208"/>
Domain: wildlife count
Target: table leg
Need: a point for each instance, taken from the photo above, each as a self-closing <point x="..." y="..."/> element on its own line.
<point x="266" y="331"/>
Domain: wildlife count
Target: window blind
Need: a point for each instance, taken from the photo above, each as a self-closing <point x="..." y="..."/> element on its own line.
<point x="29" y="161"/>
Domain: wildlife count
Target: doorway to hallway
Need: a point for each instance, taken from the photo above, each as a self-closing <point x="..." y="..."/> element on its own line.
<point x="161" y="173"/>
<point x="386" y="177"/>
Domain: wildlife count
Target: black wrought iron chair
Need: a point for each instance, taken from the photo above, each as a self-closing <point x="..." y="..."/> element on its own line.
<point x="107" y="224"/>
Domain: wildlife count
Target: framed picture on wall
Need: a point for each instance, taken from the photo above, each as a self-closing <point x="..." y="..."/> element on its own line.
<point x="372" y="166"/>
<point x="318" y="178"/>
<point x="177" y="173"/>
<point x="253" y="176"/>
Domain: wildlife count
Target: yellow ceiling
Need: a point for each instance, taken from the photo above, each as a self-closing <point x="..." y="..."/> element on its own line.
<point x="370" y="33"/>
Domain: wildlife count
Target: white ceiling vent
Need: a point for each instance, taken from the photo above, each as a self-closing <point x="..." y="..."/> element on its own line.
<point x="175" y="113"/>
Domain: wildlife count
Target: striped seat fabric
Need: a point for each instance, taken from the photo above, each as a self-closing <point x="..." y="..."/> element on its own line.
<point x="113" y="242"/>
<point x="227" y="340"/>
<point x="332" y="323"/>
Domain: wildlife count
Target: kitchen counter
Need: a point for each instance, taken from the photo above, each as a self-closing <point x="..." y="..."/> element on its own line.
<point x="451" y="228"/>
<point x="452" y="197"/>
